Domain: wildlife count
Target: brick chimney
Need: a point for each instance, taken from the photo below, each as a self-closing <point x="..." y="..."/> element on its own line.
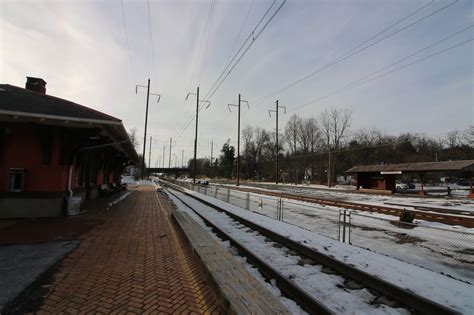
<point x="36" y="84"/>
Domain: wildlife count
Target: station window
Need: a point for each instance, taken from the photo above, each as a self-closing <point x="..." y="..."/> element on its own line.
<point x="16" y="180"/>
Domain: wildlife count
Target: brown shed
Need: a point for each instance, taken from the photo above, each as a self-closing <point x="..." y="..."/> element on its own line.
<point x="383" y="176"/>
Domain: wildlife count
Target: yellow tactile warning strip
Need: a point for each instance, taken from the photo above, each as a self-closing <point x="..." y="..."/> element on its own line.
<point x="135" y="263"/>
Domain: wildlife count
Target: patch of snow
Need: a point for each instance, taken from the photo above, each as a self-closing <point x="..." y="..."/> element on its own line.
<point x="442" y="289"/>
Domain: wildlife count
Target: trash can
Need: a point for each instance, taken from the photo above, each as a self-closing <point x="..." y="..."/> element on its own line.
<point x="73" y="205"/>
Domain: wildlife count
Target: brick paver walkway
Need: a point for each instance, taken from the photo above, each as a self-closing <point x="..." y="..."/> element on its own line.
<point x="136" y="262"/>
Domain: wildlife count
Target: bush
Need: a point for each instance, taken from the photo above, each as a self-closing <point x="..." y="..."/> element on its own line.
<point x="407" y="216"/>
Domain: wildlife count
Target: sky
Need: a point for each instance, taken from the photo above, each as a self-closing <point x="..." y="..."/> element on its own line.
<point x="95" y="52"/>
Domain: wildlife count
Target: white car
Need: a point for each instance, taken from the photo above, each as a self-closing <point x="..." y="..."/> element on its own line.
<point x="401" y="187"/>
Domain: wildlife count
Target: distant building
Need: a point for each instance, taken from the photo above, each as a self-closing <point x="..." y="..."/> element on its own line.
<point x="383" y="177"/>
<point x="52" y="149"/>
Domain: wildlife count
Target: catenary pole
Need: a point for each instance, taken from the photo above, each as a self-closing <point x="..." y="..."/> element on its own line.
<point x="164" y="149"/>
<point x="196" y="135"/>
<point x="146" y="123"/>
<point x="169" y="161"/>
<point x="149" y="152"/>
<point x="210" y="166"/>
<point x="276" y="145"/>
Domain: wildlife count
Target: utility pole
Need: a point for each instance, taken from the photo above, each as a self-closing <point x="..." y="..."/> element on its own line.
<point x="182" y="158"/>
<point x="164" y="148"/>
<point x="277" y="149"/>
<point x="149" y="152"/>
<point x="329" y="165"/>
<point x="146" y="121"/>
<point x="169" y="161"/>
<point x="238" y="136"/>
<point x="196" y="131"/>
<point x="210" y="166"/>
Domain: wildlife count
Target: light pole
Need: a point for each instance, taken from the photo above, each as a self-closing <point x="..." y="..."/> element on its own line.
<point x="196" y="131"/>
<point x="238" y="135"/>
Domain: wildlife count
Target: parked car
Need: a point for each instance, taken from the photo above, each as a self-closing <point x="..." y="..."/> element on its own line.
<point x="401" y="187"/>
<point x="411" y="185"/>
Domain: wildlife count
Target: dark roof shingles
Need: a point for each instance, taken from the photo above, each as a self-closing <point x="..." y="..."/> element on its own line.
<point x="415" y="167"/>
<point x="13" y="98"/>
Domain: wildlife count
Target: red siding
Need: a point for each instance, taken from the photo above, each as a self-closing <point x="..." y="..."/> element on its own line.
<point x="23" y="150"/>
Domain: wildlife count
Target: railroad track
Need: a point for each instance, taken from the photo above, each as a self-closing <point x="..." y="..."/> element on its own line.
<point x="451" y="219"/>
<point x="347" y="280"/>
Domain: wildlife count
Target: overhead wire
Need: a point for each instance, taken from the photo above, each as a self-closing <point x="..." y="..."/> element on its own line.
<point x="128" y="43"/>
<point x="151" y="42"/>
<point x="359" y="48"/>
<point x="252" y="37"/>
<point x="211" y="12"/>
<point x="374" y="75"/>
<point x="391" y="71"/>
<point x="198" y="57"/>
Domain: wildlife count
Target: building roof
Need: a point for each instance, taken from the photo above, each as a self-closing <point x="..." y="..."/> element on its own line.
<point x="42" y="108"/>
<point x="16" y="99"/>
<point x="464" y="165"/>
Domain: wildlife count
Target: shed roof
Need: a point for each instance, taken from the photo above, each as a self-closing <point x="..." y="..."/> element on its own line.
<point x="464" y="165"/>
<point x="17" y="99"/>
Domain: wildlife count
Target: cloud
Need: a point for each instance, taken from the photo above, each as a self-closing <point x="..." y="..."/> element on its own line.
<point x="80" y="49"/>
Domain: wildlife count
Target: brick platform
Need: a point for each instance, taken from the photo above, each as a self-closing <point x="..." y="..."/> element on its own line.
<point x="135" y="263"/>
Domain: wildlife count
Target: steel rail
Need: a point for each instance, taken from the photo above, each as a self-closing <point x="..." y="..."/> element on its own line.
<point x="450" y="219"/>
<point x="287" y="286"/>
<point x="403" y="296"/>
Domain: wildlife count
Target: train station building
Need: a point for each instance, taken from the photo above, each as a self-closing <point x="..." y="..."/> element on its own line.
<point x="53" y="150"/>
<point x="383" y="177"/>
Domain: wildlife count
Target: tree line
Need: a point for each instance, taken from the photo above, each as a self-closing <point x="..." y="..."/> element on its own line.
<point x="320" y="149"/>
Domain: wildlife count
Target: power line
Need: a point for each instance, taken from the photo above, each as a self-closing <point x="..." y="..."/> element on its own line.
<point x="359" y="48"/>
<point x="244" y="48"/>
<point x="211" y="13"/>
<point x="195" y="62"/>
<point x="151" y="41"/>
<point x="369" y="77"/>
<point x="128" y="43"/>
<point x="240" y="31"/>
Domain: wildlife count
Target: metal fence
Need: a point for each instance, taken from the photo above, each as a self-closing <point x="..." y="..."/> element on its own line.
<point x="446" y="251"/>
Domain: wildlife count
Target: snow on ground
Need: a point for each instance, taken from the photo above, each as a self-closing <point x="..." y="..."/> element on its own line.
<point x="120" y="198"/>
<point x="442" y="289"/>
<point x="442" y="248"/>
<point x="325" y="287"/>
<point x="272" y="287"/>
<point x="455" y="201"/>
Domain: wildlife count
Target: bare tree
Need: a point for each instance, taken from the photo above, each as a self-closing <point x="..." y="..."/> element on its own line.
<point x="310" y="139"/>
<point x="334" y="124"/>
<point x="293" y="136"/>
<point x="132" y="134"/>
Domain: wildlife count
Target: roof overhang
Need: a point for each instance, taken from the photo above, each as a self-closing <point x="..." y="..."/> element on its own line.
<point x="112" y="129"/>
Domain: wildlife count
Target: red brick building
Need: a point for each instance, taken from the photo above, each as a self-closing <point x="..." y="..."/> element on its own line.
<point x="52" y="149"/>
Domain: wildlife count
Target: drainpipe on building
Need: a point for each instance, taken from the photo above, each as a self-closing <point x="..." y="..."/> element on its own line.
<point x="69" y="181"/>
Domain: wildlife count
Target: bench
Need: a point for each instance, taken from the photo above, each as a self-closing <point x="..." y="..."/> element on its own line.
<point x="240" y="291"/>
